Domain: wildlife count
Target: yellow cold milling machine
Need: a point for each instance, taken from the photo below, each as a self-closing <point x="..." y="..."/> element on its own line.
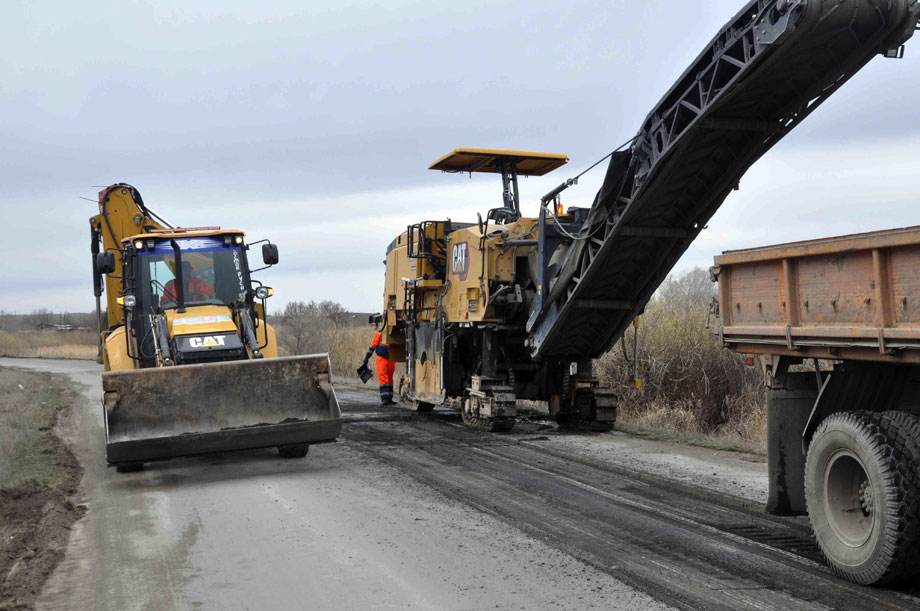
<point x="457" y="298"/>
<point x="510" y="307"/>
<point x="191" y="365"/>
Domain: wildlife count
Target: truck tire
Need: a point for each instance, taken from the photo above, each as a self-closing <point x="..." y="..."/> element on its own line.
<point x="294" y="450"/>
<point x="862" y="489"/>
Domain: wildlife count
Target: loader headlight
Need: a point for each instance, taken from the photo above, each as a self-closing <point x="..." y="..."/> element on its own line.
<point x="139" y="244"/>
<point x="129" y="301"/>
<point x="264" y="292"/>
<point x="238" y="239"/>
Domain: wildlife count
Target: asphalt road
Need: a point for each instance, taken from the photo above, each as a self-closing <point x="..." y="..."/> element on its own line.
<point x="340" y="529"/>
<point x="414" y="511"/>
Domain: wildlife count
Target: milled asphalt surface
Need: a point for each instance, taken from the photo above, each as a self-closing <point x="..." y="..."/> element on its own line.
<point x="337" y="530"/>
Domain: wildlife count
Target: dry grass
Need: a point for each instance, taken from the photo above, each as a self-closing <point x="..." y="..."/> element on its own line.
<point x="345" y="345"/>
<point x="29" y="404"/>
<point x="346" y="348"/>
<point x="38" y="478"/>
<point x="49" y="344"/>
<point x="692" y="386"/>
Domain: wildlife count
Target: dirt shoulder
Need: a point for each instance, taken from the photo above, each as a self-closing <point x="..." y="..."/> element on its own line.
<point x="38" y="477"/>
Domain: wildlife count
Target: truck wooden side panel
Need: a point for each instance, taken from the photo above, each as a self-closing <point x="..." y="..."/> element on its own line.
<point x="853" y="297"/>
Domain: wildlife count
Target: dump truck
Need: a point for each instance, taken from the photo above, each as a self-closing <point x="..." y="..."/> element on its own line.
<point x="506" y="307"/>
<point x="190" y="362"/>
<point x="843" y="434"/>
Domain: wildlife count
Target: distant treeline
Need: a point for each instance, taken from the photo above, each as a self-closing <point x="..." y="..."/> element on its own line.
<point x="44" y="319"/>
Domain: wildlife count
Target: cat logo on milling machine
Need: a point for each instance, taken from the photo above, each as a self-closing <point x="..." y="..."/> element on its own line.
<point x="461" y="260"/>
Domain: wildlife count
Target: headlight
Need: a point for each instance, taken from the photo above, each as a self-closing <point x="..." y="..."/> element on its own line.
<point x="139" y="244"/>
<point x="239" y="239"/>
<point x="129" y="301"/>
<point x="264" y="292"/>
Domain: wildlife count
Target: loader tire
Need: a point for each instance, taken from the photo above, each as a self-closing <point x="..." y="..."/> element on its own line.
<point x="129" y="467"/>
<point x="862" y="489"/>
<point x="294" y="450"/>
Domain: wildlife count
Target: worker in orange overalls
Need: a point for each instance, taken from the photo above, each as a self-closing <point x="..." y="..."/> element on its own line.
<point x="195" y="288"/>
<point x="385" y="368"/>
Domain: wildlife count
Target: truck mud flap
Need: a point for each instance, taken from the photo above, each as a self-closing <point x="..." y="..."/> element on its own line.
<point x="186" y="410"/>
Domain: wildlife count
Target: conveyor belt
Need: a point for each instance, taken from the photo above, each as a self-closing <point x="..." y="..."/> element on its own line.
<point x="768" y="69"/>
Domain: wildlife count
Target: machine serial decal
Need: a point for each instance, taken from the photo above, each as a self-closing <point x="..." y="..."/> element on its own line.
<point x="461" y="260"/>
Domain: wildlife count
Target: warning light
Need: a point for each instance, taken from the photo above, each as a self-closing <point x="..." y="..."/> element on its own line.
<point x="558" y="208"/>
<point x="749" y="361"/>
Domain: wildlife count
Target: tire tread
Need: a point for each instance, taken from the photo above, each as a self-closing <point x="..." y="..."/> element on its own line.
<point x="894" y="440"/>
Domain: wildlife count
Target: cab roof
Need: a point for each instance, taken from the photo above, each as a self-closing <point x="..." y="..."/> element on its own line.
<point x="527" y="163"/>
<point x="182" y="232"/>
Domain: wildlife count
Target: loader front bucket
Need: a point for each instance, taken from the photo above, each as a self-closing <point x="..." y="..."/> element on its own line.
<point x="185" y="410"/>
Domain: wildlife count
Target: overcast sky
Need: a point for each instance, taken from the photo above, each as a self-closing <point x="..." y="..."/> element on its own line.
<point x="313" y="124"/>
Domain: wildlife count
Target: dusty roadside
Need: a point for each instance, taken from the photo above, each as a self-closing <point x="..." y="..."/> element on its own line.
<point x="38" y="477"/>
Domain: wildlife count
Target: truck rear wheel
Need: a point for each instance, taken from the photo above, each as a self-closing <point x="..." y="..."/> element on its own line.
<point x="294" y="450"/>
<point x="862" y="488"/>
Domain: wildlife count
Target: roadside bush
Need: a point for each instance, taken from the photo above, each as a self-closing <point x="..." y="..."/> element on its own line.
<point x="691" y="384"/>
<point x="310" y="328"/>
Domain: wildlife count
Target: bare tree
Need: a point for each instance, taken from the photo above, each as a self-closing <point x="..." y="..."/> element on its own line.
<point x="304" y="326"/>
<point x="694" y="287"/>
<point x="42" y="318"/>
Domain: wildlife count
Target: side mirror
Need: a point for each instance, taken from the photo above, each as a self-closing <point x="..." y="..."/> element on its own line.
<point x="270" y="254"/>
<point x="105" y="262"/>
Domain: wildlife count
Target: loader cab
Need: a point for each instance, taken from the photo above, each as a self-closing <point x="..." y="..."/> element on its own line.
<point x="213" y="270"/>
<point x="212" y="267"/>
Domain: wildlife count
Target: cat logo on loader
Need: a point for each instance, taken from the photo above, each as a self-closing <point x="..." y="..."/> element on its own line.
<point x="209" y="341"/>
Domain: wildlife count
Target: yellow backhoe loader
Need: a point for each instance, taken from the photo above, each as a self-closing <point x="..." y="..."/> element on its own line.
<point x="190" y="364"/>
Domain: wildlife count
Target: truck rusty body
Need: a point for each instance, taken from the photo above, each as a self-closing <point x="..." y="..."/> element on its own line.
<point x="853" y="297"/>
<point x="836" y="325"/>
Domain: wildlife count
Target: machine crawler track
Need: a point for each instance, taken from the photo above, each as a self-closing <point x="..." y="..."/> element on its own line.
<point x="491" y="425"/>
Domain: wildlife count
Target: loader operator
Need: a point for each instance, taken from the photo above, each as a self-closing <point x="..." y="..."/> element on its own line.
<point x="196" y="289"/>
<point x="385" y="368"/>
